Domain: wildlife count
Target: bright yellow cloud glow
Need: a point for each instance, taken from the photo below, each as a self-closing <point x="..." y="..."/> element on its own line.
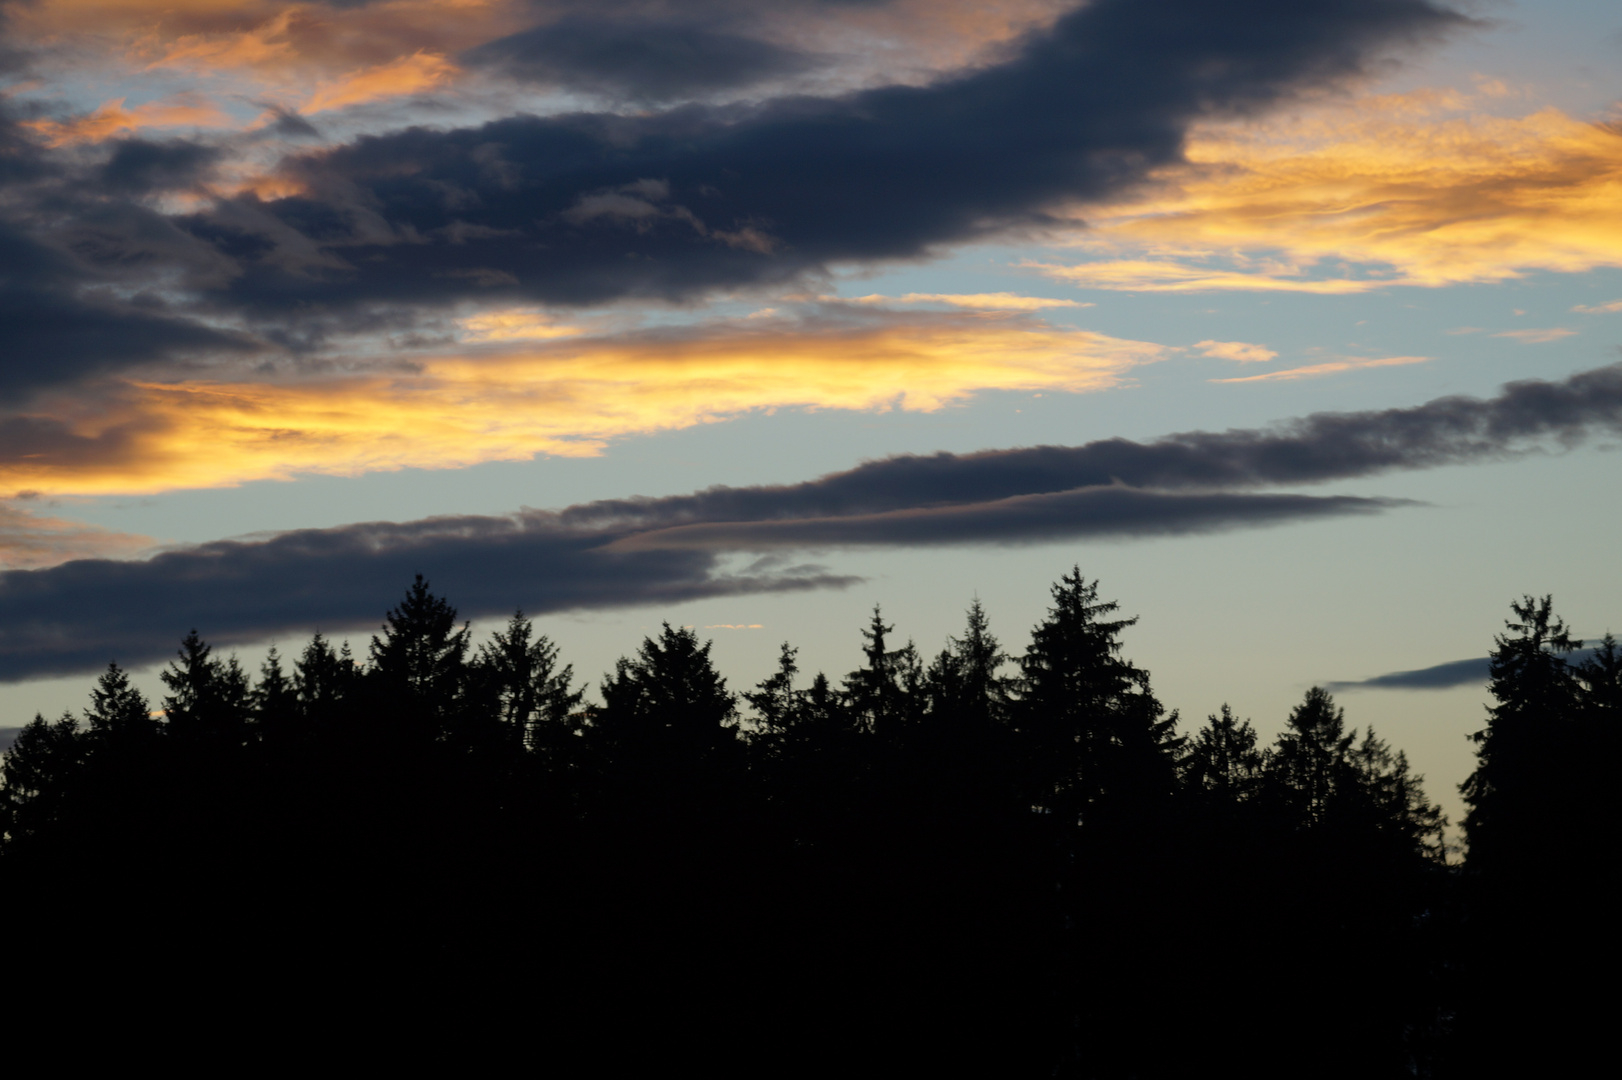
<point x="567" y="398"/>
<point x="1406" y="190"/>
<point x="1333" y="367"/>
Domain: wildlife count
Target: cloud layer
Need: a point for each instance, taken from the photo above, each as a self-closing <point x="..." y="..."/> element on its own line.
<point x="124" y="250"/>
<point x="82" y="614"/>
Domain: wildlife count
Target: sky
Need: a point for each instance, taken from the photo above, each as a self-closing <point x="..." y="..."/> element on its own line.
<point x="1295" y="325"/>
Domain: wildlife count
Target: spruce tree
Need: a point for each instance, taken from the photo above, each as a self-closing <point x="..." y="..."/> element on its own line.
<point x="37" y="777"/>
<point x="667" y="704"/>
<point x="1094" y="737"/>
<point x="531" y="695"/>
<point x="419" y="665"/>
<point x="884" y="692"/>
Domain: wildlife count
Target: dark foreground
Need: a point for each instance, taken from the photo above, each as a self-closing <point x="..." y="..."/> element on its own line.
<point x="941" y="864"/>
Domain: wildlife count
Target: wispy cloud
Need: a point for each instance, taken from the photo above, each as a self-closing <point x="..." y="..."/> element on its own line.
<point x="1242" y="351"/>
<point x="1333" y="367"/>
<point x="997" y="301"/>
<point x="1157" y="276"/>
<point x="31" y="540"/>
<point x="1536" y="337"/>
<point x="1599" y="309"/>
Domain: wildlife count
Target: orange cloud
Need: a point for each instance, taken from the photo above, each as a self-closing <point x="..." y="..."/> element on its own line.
<point x="1409" y="190"/>
<point x="111" y="118"/>
<point x="28" y="540"/>
<point x="408" y="75"/>
<point x="1599" y="309"/>
<point x="568" y="397"/>
<point x="1351" y="363"/>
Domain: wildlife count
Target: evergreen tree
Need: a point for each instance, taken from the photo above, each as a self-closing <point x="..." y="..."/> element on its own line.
<point x="37" y="775"/>
<point x="533" y="696"/>
<point x="668" y="704"/>
<point x="119" y="715"/>
<point x="1094" y="736"/>
<point x="1391" y="799"/>
<point x="419" y="665"/>
<point x="966" y="693"/>
<point x="1309" y="766"/>
<point x="1523" y="755"/>
<point x="1222" y="764"/>
<point x="776" y="704"/>
<point x="323" y="681"/>
<point x="275" y="702"/>
<point x="812" y="728"/>
<point x="1541" y="859"/>
<point x="208" y="700"/>
<point x="883" y="693"/>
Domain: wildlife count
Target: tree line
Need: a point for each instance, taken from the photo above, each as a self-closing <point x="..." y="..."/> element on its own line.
<point x="1016" y="865"/>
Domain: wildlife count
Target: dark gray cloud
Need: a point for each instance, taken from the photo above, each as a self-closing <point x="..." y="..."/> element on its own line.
<point x="589" y="208"/>
<point x="56" y="328"/>
<point x="661" y="59"/>
<point x="81" y="615"/>
<point x="1028" y="519"/>
<point x="1437" y="677"/>
<point x="593" y="207"/>
<point x="69" y="229"/>
<point x="1440" y="676"/>
<point x="140" y="166"/>
<point x="1317" y="448"/>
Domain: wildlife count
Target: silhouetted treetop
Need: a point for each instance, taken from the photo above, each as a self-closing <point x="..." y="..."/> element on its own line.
<point x="667" y="701"/>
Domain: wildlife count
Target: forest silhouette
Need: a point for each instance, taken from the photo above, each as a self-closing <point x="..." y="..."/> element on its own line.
<point x="969" y="862"/>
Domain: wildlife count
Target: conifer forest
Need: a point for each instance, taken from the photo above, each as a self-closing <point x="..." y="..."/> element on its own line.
<point x="966" y="863"/>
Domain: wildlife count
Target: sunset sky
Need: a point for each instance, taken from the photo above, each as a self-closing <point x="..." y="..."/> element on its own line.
<point x="748" y="316"/>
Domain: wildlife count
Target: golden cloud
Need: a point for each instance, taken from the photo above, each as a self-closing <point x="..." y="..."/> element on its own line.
<point x="1333" y="367"/>
<point x="1413" y="190"/>
<point x="568" y="397"/>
